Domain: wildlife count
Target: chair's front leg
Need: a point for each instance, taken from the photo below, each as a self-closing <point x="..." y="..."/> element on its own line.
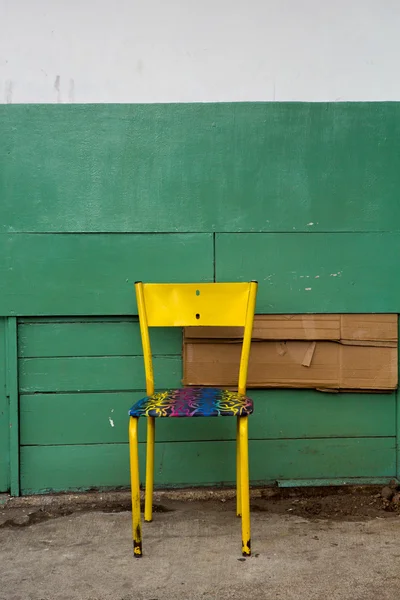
<point x="148" y="503"/>
<point x="135" y="486"/>
<point x="238" y="478"/>
<point x="244" y="484"/>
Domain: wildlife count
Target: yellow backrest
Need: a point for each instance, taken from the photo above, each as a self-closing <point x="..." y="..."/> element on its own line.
<point x="196" y="304"/>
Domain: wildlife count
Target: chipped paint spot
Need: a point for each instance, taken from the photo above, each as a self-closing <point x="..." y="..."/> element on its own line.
<point x="308" y="289"/>
<point x="309" y="224"/>
<point x="316" y="277"/>
<point x="111" y="421"/>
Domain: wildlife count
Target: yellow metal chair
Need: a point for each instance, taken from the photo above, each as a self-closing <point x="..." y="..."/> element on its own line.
<point x="185" y="305"/>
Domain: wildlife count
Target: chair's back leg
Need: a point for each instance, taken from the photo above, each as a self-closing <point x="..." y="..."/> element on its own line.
<point x="148" y="503"/>
<point x="238" y="478"/>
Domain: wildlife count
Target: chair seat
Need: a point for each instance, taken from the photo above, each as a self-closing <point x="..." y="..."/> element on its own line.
<point x="193" y="402"/>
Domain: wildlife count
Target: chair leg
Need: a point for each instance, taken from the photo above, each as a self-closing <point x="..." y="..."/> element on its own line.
<point x="238" y="484"/>
<point x="135" y="486"/>
<point x="148" y="504"/>
<point x="244" y="484"/>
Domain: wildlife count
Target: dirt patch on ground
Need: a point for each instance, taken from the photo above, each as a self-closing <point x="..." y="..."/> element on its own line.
<point x="344" y="503"/>
<point x="21" y="517"/>
<point x="347" y="503"/>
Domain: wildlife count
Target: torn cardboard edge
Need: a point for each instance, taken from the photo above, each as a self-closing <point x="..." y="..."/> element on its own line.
<point x="346" y="328"/>
<point x="214" y="340"/>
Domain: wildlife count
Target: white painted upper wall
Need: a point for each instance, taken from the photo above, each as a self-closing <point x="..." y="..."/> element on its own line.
<point x="198" y="50"/>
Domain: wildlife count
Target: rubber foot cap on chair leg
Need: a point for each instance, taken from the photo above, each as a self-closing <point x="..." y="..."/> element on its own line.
<point x="148" y="520"/>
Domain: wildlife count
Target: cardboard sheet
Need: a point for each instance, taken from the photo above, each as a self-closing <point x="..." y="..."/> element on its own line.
<point x="336" y="352"/>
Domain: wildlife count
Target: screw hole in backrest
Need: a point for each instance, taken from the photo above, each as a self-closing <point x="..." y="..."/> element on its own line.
<point x="197" y="316"/>
<point x="197" y="292"/>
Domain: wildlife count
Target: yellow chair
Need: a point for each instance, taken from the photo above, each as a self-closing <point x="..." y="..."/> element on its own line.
<point x="185" y="305"/>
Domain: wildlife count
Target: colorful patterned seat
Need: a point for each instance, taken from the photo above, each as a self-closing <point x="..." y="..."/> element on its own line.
<point x="193" y="402"/>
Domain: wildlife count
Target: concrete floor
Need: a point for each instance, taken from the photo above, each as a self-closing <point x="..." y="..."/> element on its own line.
<point x="193" y="553"/>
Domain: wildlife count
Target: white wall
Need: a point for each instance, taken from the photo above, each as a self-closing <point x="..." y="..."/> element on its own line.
<point x="198" y="50"/>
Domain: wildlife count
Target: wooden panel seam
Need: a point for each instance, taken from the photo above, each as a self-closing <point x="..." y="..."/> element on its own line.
<point x="12" y="394"/>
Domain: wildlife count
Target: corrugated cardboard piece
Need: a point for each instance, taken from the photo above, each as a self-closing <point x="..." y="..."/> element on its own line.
<point x="337" y="352"/>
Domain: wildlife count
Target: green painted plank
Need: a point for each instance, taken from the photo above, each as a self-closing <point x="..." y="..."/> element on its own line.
<point x="187" y="463"/>
<point x="318" y="273"/>
<point x="94" y="274"/>
<point x="57" y="419"/>
<point x="312" y="414"/>
<point x="12" y="393"/>
<point x="287" y="483"/>
<point x="103" y="418"/>
<point x="264" y="166"/>
<point x="4" y="416"/>
<point x="93" y="338"/>
<point x="91" y="374"/>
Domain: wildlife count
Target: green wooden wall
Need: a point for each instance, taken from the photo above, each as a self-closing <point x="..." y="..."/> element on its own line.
<point x="327" y="167"/>
<point x="302" y="197"/>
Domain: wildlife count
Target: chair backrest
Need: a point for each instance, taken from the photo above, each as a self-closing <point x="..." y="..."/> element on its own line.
<point x="196" y="304"/>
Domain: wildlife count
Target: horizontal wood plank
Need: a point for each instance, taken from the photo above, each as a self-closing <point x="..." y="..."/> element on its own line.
<point x="92" y="374"/>
<point x="95" y="418"/>
<point x="57" y="468"/>
<point x="93" y="338"/>
<point x="253" y="166"/>
<point x="44" y="275"/>
<point x="321" y="273"/>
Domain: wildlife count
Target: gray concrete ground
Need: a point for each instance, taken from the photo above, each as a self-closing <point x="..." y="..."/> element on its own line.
<point x="192" y="552"/>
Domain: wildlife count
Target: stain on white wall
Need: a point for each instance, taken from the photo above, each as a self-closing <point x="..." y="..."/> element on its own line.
<point x="68" y="51"/>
